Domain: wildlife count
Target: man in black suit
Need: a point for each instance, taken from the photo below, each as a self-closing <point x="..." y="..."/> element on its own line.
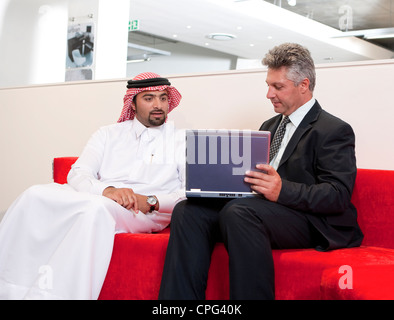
<point x="305" y="194"/>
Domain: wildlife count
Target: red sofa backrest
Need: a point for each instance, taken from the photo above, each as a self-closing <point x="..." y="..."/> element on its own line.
<point x="372" y="196"/>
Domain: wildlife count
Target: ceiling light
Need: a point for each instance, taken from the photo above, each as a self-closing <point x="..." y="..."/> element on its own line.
<point x="292" y="3"/>
<point x="221" y="36"/>
<point x="137" y="60"/>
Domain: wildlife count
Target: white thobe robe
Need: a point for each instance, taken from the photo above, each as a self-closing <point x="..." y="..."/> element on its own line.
<point x="56" y="240"/>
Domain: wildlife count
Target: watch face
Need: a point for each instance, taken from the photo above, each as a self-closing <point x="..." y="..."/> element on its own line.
<point x="151" y="200"/>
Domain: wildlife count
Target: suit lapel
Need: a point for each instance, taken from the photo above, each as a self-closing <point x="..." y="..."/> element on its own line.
<point x="304" y="126"/>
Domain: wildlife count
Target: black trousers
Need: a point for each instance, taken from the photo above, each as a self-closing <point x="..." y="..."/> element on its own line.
<point x="250" y="228"/>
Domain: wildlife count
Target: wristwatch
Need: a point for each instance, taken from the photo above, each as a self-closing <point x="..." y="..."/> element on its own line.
<point x="152" y="201"/>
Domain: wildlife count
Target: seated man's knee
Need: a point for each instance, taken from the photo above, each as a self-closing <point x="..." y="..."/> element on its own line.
<point x="182" y="214"/>
<point x="233" y="212"/>
<point x="179" y="209"/>
<point x="245" y="209"/>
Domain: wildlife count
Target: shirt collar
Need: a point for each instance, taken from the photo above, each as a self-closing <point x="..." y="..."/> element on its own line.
<point x="297" y="116"/>
<point x="139" y="129"/>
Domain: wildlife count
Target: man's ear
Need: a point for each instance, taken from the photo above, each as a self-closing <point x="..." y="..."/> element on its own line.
<point x="304" y="85"/>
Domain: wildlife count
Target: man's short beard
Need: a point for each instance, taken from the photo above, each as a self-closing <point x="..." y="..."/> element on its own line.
<point x="156" y="122"/>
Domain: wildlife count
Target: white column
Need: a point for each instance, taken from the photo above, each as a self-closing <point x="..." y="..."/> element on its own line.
<point x="112" y="38"/>
<point x="49" y="45"/>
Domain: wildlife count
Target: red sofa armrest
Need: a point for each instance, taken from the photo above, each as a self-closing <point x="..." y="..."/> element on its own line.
<point x="61" y="167"/>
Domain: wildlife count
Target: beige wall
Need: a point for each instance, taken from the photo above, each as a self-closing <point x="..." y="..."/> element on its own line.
<point x="39" y="123"/>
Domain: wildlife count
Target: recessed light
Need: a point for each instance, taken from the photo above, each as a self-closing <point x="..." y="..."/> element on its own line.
<point x="221" y="36"/>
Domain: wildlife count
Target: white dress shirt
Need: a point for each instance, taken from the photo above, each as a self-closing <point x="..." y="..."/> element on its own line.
<point x="295" y="119"/>
<point x="151" y="161"/>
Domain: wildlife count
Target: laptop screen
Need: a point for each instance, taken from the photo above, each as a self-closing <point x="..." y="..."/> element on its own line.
<point x="216" y="161"/>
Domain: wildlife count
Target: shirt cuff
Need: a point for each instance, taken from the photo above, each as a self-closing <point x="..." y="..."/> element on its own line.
<point x="167" y="202"/>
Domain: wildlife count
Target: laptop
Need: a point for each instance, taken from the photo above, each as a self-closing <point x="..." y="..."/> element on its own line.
<point x="216" y="161"/>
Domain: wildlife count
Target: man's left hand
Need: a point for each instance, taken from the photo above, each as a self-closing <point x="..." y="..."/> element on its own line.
<point x="268" y="183"/>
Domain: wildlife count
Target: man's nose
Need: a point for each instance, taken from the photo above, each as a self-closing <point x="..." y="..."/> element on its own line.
<point x="270" y="93"/>
<point x="157" y="103"/>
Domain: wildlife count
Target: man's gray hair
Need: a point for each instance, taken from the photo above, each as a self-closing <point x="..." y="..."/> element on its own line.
<point x="296" y="58"/>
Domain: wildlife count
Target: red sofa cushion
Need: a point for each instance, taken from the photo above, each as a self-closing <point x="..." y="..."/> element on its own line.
<point x="298" y="272"/>
<point x="130" y="277"/>
<point x="371" y="282"/>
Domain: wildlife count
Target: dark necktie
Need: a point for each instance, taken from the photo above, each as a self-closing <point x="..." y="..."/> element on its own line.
<point x="280" y="132"/>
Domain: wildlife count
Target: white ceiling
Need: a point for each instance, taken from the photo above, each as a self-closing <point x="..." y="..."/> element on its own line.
<point x="257" y="26"/>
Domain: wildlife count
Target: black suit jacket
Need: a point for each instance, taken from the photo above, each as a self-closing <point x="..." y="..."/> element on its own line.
<point x="318" y="171"/>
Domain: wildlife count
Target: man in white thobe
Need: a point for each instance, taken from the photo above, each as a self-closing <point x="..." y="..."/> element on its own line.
<point x="56" y="240"/>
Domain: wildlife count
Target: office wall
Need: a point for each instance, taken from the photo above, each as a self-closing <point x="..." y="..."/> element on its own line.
<point x="39" y="123"/>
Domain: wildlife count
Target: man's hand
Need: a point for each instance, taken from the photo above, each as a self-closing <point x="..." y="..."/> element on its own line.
<point x="128" y="199"/>
<point x="123" y="196"/>
<point x="268" y="184"/>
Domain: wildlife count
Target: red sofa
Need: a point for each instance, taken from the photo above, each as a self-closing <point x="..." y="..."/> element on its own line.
<point x="366" y="272"/>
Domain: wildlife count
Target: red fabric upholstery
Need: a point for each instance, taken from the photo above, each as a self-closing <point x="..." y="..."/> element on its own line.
<point x="373" y="197"/>
<point x="137" y="260"/>
<point x="136" y="267"/>
<point x="298" y="272"/>
<point x="375" y="282"/>
<point x="61" y="167"/>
